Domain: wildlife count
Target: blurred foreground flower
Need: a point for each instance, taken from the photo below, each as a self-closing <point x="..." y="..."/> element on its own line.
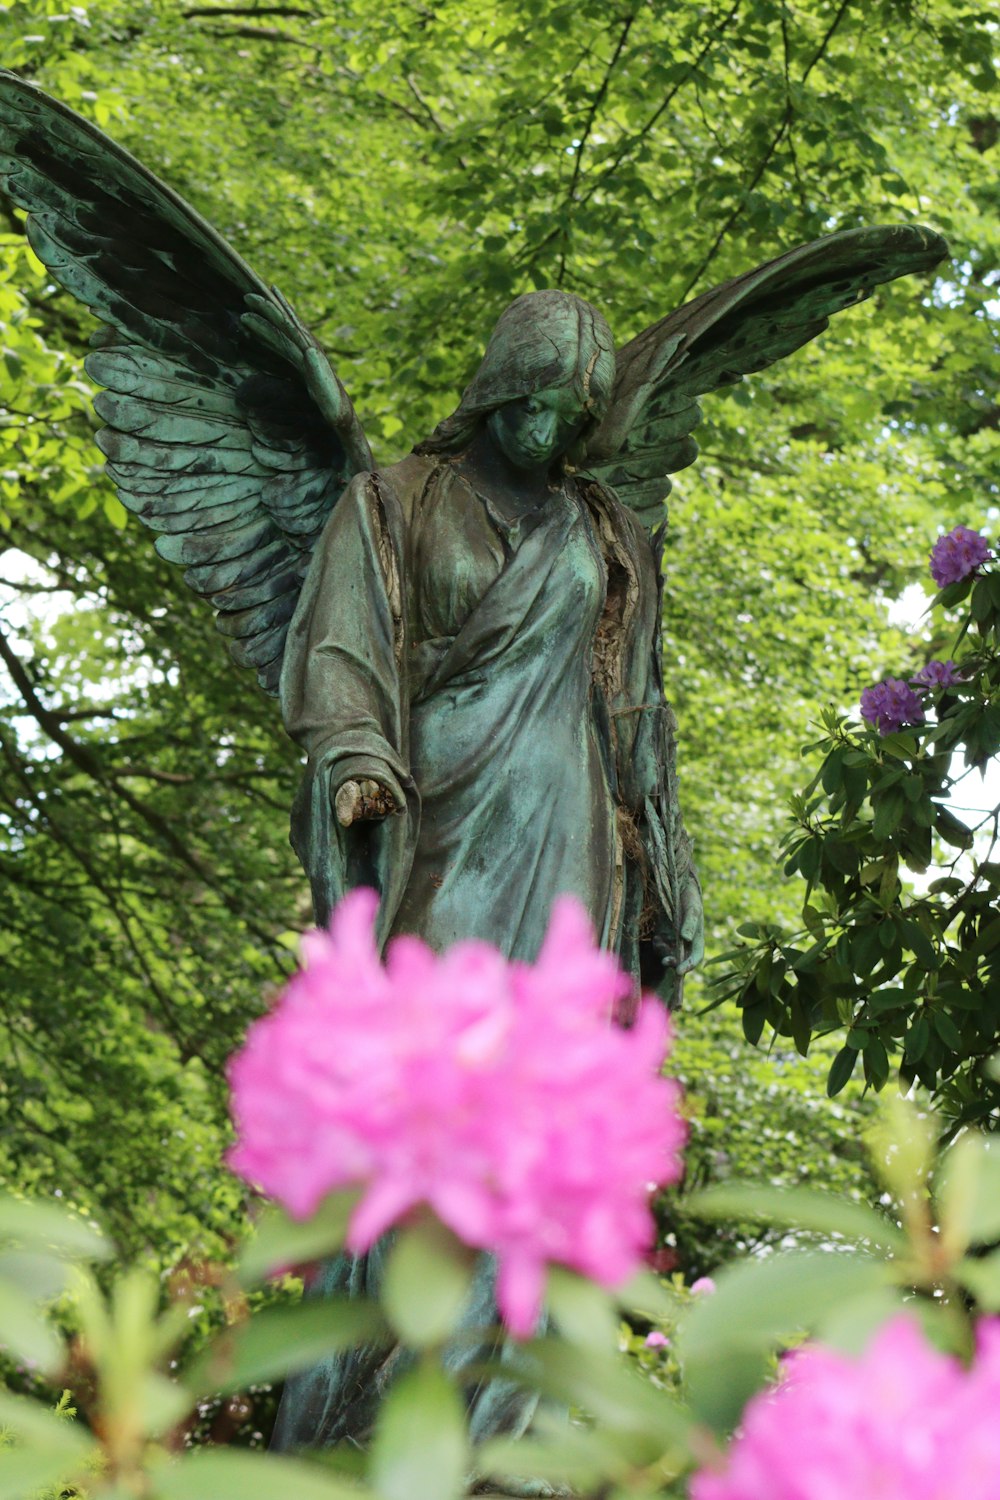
<point x="891" y="704"/>
<point x="903" y="1422"/>
<point x="498" y="1093"/>
<point x="955" y="556"/>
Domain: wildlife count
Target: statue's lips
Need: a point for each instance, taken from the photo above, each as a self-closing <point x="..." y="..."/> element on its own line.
<point x="534" y="455"/>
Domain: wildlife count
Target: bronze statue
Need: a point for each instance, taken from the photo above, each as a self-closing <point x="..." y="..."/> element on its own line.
<point x="466" y="644"/>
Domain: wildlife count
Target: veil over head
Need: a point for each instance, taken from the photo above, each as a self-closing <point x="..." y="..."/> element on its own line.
<point x="543" y="339"/>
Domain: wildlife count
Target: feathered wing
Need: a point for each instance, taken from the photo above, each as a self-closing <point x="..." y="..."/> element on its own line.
<point x="732" y="331"/>
<point x="227" y="432"/>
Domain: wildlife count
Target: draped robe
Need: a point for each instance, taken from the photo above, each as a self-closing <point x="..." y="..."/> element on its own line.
<point x="502" y="679"/>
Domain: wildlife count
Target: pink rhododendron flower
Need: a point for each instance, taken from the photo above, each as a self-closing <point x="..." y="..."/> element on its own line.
<point x="498" y="1093"/>
<point x="955" y="556"/>
<point x="903" y="1422"/>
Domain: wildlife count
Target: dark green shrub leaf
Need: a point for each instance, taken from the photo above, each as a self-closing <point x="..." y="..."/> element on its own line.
<point x="840" y="1070"/>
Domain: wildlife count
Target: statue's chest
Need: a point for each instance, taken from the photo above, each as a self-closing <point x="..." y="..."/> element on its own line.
<point x="461" y="547"/>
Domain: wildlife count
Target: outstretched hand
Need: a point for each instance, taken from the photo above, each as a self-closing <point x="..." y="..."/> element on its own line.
<point x="691" y="944"/>
<point x="357" y="801"/>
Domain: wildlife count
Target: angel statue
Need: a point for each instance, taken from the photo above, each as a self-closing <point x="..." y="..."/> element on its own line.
<point x="465" y="644"/>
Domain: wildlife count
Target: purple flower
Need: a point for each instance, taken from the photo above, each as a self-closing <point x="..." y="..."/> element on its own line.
<point x="937" y="674"/>
<point x="891" y="704"/>
<point x="955" y="556"/>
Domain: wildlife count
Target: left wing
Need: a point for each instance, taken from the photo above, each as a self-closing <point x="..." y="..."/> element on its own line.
<point x="731" y="331"/>
<point x="227" y="432"/>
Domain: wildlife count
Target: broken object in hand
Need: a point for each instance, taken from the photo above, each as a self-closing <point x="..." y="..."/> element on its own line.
<point x="360" y="800"/>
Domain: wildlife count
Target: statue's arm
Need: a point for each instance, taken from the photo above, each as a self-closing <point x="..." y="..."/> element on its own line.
<point x="344" y="702"/>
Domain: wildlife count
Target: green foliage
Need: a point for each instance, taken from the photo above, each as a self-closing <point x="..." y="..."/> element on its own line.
<point x="908" y="974"/>
<point x="401" y="172"/>
<point x="931" y="1248"/>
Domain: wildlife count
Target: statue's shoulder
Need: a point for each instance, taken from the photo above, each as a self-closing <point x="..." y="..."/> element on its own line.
<point x="624" y="521"/>
<point x="407" y="481"/>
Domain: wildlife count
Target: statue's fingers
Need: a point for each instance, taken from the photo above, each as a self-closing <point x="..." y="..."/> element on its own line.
<point x="347" y="803"/>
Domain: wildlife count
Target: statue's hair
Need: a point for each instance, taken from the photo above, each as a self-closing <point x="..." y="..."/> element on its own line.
<point x="543" y="340"/>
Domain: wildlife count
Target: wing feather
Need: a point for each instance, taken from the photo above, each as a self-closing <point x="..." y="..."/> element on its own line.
<point x="221" y="432"/>
<point x="734" y="330"/>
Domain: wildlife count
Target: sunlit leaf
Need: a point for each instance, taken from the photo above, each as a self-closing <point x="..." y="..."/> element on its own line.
<point x="236" y="1474"/>
<point x="282" y="1242"/>
<point x="280" y="1340"/>
<point x="427" y="1282"/>
<point x="725" y="1339"/>
<point x="420" y="1451"/>
<point x="796" y="1208"/>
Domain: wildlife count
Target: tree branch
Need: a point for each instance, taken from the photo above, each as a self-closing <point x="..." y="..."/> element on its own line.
<point x="595" y="104"/>
<point x="768" y="156"/>
<point x="91" y="765"/>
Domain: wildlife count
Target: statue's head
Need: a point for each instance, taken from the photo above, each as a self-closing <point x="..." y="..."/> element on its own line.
<point x="546" y="376"/>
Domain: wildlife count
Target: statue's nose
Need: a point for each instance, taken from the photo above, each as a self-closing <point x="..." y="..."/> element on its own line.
<point x="544" y="428"/>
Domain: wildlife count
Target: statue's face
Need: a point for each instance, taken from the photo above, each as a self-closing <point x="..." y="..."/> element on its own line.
<point x="534" y="430"/>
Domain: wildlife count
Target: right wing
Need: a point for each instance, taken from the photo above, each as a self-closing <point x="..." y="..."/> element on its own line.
<point x="227" y="431"/>
<point x="728" y="332"/>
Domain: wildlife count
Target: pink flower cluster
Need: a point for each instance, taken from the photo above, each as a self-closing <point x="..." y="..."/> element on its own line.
<point x="498" y="1093"/>
<point x="903" y="1422"/>
<point x="955" y="556"/>
<point x="891" y="704"/>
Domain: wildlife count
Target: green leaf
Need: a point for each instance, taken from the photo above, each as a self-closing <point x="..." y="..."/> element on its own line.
<point x="235" y="1474"/>
<point x="579" y="1459"/>
<point x="38" y="1275"/>
<point x="980" y="1275"/>
<point x="24" y="1472"/>
<point x="281" y="1241"/>
<point x="646" y="1294"/>
<point x="582" y="1312"/>
<point x="597" y="1381"/>
<point x="34" y="1423"/>
<point x="24" y="1332"/>
<point x="280" y="1340"/>
<point x="988" y="938"/>
<point x="49" y="1449"/>
<point x="795" y="1208"/>
<point x="48" y="1226"/>
<point x="952" y="830"/>
<point x="753" y="1018"/>
<point x="876" y="1062"/>
<point x="850" y="1325"/>
<point x="968" y="1192"/>
<point x="917" y="1038"/>
<point x="902" y="1142"/>
<point x="426" y="1283"/>
<point x="981" y="603"/>
<point x="946" y="1029"/>
<point x="726" y="1340"/>
<point x="420" y="1450"/>
<point x="840" y="1070"/>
